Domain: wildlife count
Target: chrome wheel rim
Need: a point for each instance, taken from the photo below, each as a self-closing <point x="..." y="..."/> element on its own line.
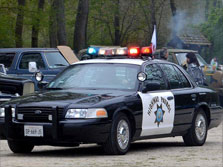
<point x="123" y="134"/>
<point x="200" y="127"/>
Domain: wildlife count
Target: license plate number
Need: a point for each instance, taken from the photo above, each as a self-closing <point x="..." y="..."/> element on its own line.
<point x="33" y="131"/>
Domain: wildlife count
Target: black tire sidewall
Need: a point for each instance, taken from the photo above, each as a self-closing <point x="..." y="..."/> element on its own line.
<point x="199" y="142"/>
<point x="117" y="119"/>
<point x="20" y="147"/>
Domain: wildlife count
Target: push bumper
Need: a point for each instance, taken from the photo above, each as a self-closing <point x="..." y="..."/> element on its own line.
<point x="60" y="131"/>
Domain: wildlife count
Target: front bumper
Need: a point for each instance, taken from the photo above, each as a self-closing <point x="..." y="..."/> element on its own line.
<point x="57" y="132"/>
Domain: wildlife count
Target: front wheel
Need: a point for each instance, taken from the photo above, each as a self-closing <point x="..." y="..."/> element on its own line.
<point x="20" y="147"/>
<point x="119" y="138"/>
<point x="197" y="134"/>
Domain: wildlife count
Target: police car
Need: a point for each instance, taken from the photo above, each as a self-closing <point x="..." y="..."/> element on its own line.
<point x="112" y="102"/>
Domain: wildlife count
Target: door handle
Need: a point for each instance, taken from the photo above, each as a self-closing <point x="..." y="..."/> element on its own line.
<point x="170" y="98"/>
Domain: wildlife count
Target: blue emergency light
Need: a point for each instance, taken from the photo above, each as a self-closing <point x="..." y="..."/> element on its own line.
<point x="93" y="50"/>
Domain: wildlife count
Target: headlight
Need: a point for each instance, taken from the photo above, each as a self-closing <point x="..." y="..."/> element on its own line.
<point x="87" y="113"/>
<point x="39" y="76"/>
<point x="2" y="112"/>
<point x="13" y="112"/>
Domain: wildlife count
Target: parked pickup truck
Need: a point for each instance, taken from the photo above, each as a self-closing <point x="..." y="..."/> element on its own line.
<point x="49" y="61"/>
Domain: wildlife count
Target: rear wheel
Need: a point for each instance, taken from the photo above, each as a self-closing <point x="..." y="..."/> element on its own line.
<point x="197" y="134"/>
<point x="20" y="147"/>
<point x="119" y="139"/>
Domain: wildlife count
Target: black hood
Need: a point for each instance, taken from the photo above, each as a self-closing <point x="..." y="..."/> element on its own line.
<point x="62" y="98"/>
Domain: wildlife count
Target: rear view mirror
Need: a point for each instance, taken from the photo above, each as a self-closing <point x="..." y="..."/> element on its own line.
<point x="33" y="67"/>
<point x="150" y="86"/>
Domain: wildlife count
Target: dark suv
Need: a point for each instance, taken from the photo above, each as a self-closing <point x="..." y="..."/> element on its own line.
<point x="49" y="61"/>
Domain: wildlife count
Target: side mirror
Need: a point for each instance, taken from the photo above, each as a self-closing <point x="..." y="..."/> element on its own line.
<point x="150" y="86"/>
<point x="2" y="69"/>
<point x="32" y="67"/>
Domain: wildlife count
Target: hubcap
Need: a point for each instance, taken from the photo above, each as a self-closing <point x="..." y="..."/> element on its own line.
<point x="123" y="134"/>
<point x="200" y="127"/>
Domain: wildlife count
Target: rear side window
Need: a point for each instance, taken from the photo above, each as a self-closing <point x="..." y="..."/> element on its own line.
<point x="171" y="75"/>
<point x="31" y="57"/>
<point x="154" y="74"/>
<point x="6" y="59"/>
<point x="183" y="80"/>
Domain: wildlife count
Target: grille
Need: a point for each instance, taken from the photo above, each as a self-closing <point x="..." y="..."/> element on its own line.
<point x="30" y="115"/>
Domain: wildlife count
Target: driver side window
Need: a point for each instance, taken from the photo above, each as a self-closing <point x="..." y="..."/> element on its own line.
<point x="154" y="74"/>
<point x="31" y="57"/>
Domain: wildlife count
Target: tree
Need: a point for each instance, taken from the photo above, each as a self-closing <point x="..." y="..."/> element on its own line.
<point x="61" y="28"/>
<point x="53" y="24"/>
<point x="213" y="29"/>
<point x="80" y="30"/>
<point x="19" y="23"/>
<point x="36" y="23"/>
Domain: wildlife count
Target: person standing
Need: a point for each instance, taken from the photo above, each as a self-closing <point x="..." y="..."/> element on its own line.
<point x="214" y="63"/>
<point x="164" y="54"/>
<point x="194" y="69"/>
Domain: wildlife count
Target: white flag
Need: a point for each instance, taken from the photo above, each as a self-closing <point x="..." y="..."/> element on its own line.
<point x="153" y="41"/>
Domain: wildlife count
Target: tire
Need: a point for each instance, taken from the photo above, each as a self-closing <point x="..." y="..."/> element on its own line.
<point x="20" y="147"/>
<point x="197" y="134"/>
<point x="119" y="139"/>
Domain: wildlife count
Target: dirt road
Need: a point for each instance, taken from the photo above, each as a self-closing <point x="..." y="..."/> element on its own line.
<point x="169" y="152"/>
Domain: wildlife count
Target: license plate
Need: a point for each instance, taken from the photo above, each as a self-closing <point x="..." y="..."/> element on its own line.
<point x="33" y="131"/>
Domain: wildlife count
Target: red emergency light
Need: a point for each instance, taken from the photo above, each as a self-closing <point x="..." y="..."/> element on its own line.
<point x="146" y="50"/>
<point x="134" y="51"/>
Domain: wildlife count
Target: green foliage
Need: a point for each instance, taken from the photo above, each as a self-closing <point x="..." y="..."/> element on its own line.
<point x="213" y="29"/>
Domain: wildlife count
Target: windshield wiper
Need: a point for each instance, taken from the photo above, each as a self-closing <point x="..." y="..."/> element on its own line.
<point x="59" y="64"/>
<point x="54" y="88"/>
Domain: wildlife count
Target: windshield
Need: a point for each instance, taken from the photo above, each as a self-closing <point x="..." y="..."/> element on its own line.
<point x="181" y="58"/>
<point x="55" y="59"/>
<point x="97" y="76"/>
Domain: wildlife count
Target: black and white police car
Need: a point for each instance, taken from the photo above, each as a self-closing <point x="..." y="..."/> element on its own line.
<point x="112" y="102"/>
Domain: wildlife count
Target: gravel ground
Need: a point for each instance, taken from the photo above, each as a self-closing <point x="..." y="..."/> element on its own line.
<point x="165" y="152"/>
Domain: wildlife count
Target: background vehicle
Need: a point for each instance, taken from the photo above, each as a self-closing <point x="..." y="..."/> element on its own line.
<point x="214" y="78"/>
<point x="49" y="61"/>
<point x="11" y="87"/>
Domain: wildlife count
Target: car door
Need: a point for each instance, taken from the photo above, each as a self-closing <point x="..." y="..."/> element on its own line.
<point x="184" y="95"/>
<point x="158" y="105"/>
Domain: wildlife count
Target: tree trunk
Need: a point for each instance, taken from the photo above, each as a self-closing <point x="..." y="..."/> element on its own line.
<point x="19" y="24"/>
<point x="80" y="31"/>
<point x="117" y="24"/>
<point x="35" y="27"/>
<point x="53" y="25"/>
<point x="153" y="14"/>
<point x="61" y="27"/>
<point x="173" y="8"/>
<point x="206" y="9"/>
<point x="174" y="13"/>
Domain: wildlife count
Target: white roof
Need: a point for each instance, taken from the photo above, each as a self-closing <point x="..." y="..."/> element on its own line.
<point x="120" y="61"/>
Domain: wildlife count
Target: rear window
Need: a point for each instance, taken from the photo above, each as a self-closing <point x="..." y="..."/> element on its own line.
<point x="6" y="59"/>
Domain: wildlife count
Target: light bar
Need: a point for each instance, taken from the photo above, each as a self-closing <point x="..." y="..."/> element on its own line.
<point x="146" y="50"/>
<point x="106" y="51"/>
<point x="122" y="51"/>
<point x="134" y="52"/>
<point x="93" y="50"/>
